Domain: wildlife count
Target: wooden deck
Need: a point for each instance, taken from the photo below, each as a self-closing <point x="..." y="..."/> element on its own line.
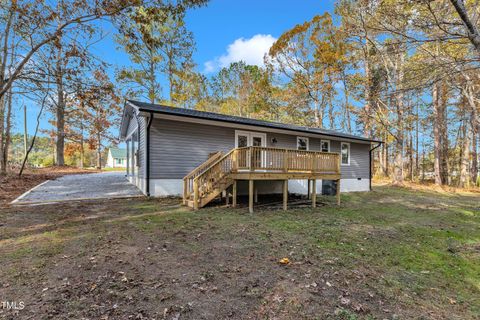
<point x="221" y="173"/>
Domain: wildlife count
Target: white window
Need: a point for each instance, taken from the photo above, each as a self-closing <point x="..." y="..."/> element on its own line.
<point x="345" y="153"/>
<point x="325" y="145"/>
<point x="302" y="143"/>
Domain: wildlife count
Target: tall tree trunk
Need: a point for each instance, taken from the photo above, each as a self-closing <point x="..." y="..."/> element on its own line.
<point x="82" y="150"/>
<point x="398" y="159"/>
<point x="437" y="119"/>
<point x="474" y="168"/>
<point x="171" y="71"/>
<point x="8" y="127"/>
<point x="423" y="160"/>
<point x="99" y="152"/>
<point x="417" y="122"/>
<point x="3" y="68"/>
<point x="3" y="168"/>
<point x="383" y="158"/>
<point x="400" y="107"/>
<point x="151" y="77"/>
<point x="151" y="93"/>
<point x="368" y="99"/>
<point x="317" y="115"/>
<point x="411" y="167"/>
<point x="387" y="156"/>
<point x="346" y="92"/>
<point x="468" y="93"/>
<point x="331" y="115"/>
<point x="465" y="160"/>
<point x="60" y="110"/>
<point x="445" y="168"/>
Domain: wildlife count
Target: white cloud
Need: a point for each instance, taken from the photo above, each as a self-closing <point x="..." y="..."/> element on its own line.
<point x="250" y="50"/>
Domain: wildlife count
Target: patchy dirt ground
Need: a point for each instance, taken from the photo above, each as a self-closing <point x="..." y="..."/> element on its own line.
<point x="12" y="186"/>
<point x="389" y="254"/>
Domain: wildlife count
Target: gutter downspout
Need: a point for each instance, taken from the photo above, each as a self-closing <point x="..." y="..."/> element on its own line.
<point x="370" y="163"/>
<point x="147" y="155"/>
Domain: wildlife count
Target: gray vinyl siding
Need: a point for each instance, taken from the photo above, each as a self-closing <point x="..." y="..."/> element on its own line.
<point x="176" y="148"/>
<point x="142" y="143"/>
<point x="359" y="160"/>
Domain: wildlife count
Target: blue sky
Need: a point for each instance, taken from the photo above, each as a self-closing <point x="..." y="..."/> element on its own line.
<point x="224" y="30"/>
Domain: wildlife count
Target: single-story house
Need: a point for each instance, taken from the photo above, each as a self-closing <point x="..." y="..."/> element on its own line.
<point x="117" y="158"/>
<point x="175" y="151"/>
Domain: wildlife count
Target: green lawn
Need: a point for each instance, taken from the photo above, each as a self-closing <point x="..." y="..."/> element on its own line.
<point x="114" y="169"/>
<point x="392" y="253"/>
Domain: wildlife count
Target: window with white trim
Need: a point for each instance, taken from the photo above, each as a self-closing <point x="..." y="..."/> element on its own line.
<point x="302" y="143"/>
<point x="345" y="153"/>
<point x="325" y="145"/>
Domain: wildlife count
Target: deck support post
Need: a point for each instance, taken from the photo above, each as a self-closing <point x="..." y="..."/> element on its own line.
<point x="196" y="194"/>
<point x="255" y="194"/>
<point x="185" y="191"/>
<point x="285" y="194"/>
<point x="227" y="197"/>
<point x="309" y="190"/>
<point x="338" y="192"/>
<point x="250" y="196"/>
<point x="314" y="193"/>
<point x="234" y="194"/>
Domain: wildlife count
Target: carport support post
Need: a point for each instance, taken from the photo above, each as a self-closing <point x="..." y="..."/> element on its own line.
<point x="338" y="192"/>
<point x="250" y="196"/>
<point x="234" y="195"/>
<point x="314" y="193"/>
<point x="285" y="194"/>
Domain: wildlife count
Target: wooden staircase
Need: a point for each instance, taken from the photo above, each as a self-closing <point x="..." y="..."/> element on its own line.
<point x="208" y="180"/>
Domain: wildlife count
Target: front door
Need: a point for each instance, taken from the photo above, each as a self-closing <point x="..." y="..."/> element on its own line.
<point x="249" y="139"/>
<point x="258" y="156"/>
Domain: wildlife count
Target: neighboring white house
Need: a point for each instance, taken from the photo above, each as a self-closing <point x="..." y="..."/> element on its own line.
<point x="117" y="158"/>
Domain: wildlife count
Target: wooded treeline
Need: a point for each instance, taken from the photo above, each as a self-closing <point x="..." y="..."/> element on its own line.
<point x="403" y="72"/>
<point x="47" y="58"/>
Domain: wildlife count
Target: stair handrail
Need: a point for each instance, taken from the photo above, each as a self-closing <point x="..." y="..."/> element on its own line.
<point x="188" y="179"/>
<point x="210" y="177"/>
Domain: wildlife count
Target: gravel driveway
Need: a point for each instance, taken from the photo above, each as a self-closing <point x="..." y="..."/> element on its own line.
<point x="82" y="186"/>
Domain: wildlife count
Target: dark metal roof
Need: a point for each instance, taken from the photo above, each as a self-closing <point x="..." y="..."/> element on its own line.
<point x="150" y="107"/>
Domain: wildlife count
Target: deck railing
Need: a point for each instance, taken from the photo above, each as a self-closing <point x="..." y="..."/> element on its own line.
<point x="286" y="160"/>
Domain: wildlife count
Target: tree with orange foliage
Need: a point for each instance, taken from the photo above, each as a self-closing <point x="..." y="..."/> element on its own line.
<point x="97" y="109"/>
